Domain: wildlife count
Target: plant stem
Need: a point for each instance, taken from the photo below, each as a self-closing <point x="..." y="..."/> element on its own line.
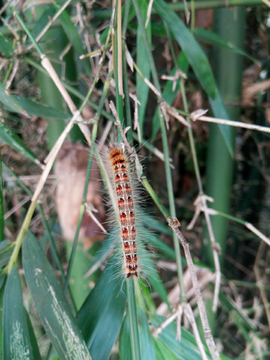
<point x="133" y="320"/>
<point x="2" y="220"/>
<point x="219" y="167"/>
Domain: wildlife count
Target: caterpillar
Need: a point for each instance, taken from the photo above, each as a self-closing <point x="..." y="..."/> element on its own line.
<point x="122" y="187"/>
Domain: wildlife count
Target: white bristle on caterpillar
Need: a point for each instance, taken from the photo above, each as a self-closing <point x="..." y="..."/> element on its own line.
<point x="126" y="213"/>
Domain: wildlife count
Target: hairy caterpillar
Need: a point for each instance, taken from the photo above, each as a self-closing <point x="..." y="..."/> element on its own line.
<point x="127" y="227"/>
<point x="122" y="187"/>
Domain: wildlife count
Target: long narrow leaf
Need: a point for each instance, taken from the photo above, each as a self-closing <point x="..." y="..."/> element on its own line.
<point x="5" y="252"/>
<point x="19" y="341"/>
<point x="35" y="109"/>
<point x="194" y="53"/>
<point x="212" y="38"/>
<point x="51" y="304"/>
<point x="9" y="100"/>
<point x="2" y="219"/>
<point x="186" y="349"/>
<point x="101" y="315"/>
<point x="13" y="140"/>
<point x="73" y="36"/>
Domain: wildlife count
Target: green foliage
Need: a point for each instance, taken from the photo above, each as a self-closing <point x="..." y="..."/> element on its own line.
<point x="42" y="315"/>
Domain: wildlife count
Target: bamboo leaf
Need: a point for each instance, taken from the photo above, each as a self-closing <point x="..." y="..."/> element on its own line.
<point x="146" y="340"/>
<point x="101" y="315"/>
<point x="124" y="341"/>
<point x="212" y="38"/>
<point x="2" y="288"/>
<point x="13" y="140"/>
<point x="168" y="93"/>
<point x="2" y="210"/>
<point x="6" y="46"/>
<point x="2" y="280"/>
<point x="194" y="53"/>
<point x="146" y="343"/>
<point x="51" y="304"/>
<point x="9" y="100"/>
<point x="186" y="349"/>
<point x="220" y="112"/>
<point x="18" y="340"/>
<point x="162" y="351"/>
<point x="73" y="36"/>
<point x="35" y="109"/>
<point x="5" y="252"/>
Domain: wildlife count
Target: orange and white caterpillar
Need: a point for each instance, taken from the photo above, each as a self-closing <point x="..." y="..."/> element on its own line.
<point x="123" y="189"/>
<point x="128" y="236"/>
<point x="123" y="199"/>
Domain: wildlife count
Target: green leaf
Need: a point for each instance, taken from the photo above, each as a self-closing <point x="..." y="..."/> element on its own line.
<point x="9" y="100"/>
<point x="6" y="46"/>
<point x="146" y="339"/>
<point x="35" y="109"/>
<point x="157" y="284"/>
<point x="155" y="241"/>
<point x="2" y="210"/>
<point x="194" y="53"/>
<point x="51" y="303"/>
<point x="162" y="351"/>
<point x="220" y="112"/>
<point x="2" y="288"/>
<point x="124" y="341"/>
<point x="230" y="306"/>
<point x="144" y="66"/>
<point x="212" y="38"/>
<point x="155" y="224"/>
<point x="2" y="280"/>
<point x="6" y="249"/>
<point x="13" y="140"/>
<point x="101" y="315"/>
<point x="186" y="349"/>
<point x="168" y="93"/>
<point x="73" y="36"/>
<point x="18" y="341"/>
<point x="44" y="17"/>
<point x="146" y="343"/>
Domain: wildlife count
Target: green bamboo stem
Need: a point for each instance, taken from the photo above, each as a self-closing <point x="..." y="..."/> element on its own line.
<point x="133" y="320"/>
<point x="219" y="167"/>
<point x="179" y="7"/>
<point x="2" y="211"/>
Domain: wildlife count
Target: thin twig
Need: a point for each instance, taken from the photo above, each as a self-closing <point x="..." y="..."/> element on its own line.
<point x="195" y="116"/>
<point x="174" y="224"/>
<point x="50" y="22"/>
<point x="259" y="281"/>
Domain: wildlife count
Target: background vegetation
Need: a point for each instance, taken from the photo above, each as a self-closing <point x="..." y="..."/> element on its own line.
<point x="158" y="63"/>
